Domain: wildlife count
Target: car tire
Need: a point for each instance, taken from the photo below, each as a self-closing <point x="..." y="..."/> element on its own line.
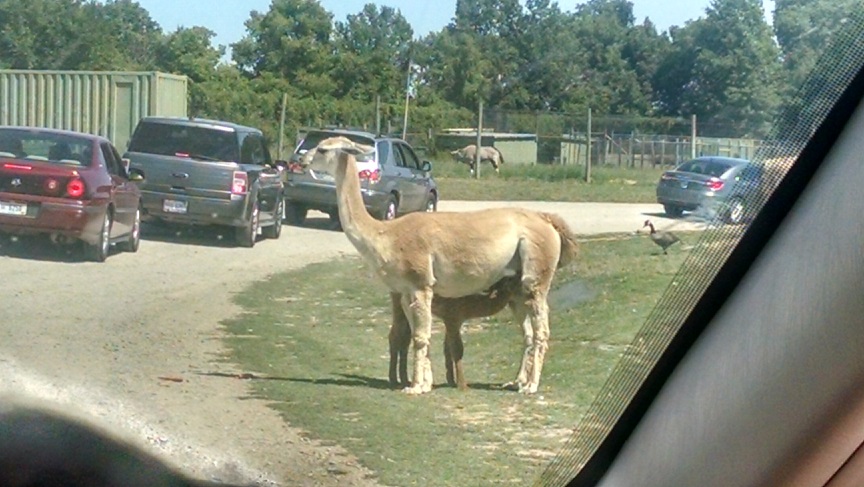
<point x="391" y="210"/>
<point x="98" y="252"/>
<point x="247" y="234"/>
<point x="673" y="211"/>
<point x="735" y="211"/>
<point x="295" y="214"/>
<point x="431" y="203"/>
<point x="134" y="241"/>
<point x="275" y="230"/>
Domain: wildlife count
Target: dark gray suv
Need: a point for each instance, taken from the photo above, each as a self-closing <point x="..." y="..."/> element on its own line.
<point x="208" y="172"/>
<point x="394" y="180"/>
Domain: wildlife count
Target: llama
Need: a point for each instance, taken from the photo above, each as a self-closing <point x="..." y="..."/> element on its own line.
<point x="452" y="254"/>
<point x="467" y="155"/>
<point x="454" y="312"/>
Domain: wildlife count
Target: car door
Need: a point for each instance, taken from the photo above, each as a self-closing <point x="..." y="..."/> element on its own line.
<point x="254" y="154"/>
<point x="404" y="179"/>
<point x="416" y="179"/>
<point x="124" y="194"/>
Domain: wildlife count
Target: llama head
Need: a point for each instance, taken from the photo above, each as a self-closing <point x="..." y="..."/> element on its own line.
<point x="324" y="156"/>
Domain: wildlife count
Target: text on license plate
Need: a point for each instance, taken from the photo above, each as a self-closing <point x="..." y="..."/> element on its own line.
<point x="16" y="209"/>
<point x="174" y="206"/>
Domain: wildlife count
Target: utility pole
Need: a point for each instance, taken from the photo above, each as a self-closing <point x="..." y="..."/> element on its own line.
<point x="378" y="115"/>
<point x="588" y="156"/>
<point x="479" y="140"/>
<point x="282" y="127"/>
<point x="693" y="137"/>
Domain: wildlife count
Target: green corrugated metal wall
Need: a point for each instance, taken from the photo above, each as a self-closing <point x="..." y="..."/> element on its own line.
<point x="104" y="103"/>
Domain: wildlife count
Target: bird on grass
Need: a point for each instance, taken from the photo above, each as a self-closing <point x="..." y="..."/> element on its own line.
<point x="663" y="239"/>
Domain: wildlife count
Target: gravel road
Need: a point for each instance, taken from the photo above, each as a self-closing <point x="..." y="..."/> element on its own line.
<point x="134" y="344"/>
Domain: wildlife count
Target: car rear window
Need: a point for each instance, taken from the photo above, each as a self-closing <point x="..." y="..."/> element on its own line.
<point x="203" y="143"/>
<point x="709" y="168"/>
<point x="37" y="145"/>
<point x="312" y="139"/>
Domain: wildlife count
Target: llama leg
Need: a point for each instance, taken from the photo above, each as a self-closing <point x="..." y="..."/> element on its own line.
<point x="520" y="316"/>
<point x="536" y="353"/>
<point x="400" y="340"/>
<point x="418" y="307"/>
<point x="448" y="357"/>
<point x="455" y="348"/>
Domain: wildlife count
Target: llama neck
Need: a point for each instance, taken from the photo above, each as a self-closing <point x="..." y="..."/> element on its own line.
<point x="358" y="225"/>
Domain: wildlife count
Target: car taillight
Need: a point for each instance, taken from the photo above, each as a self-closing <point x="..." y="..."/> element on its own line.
<point x="666" y="177"/>
<point x="715" y="184"/>
<point x="239" y="182"/>
<point x="373" y="176"/>
<point x="75" y="188"/>
<point x="51" y="186"/>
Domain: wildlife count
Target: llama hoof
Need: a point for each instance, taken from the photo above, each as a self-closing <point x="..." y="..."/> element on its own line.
<point x="511" y="386"/>
<point x="528" y="388"/>
<point x="415" y="390"/>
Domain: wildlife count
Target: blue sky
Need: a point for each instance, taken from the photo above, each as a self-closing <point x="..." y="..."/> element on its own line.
<point x="226" y="17"/>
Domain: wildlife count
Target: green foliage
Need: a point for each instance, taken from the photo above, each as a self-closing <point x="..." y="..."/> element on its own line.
<point x="804" y="28"/>
<point x="726" y="67"/>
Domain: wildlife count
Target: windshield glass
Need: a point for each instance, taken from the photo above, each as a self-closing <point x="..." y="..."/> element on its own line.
<point x="482" y="323"/>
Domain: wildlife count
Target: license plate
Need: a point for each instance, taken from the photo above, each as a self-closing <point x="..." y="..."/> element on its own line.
<point x="174" y="206"/>
<point x="16" y="209"/>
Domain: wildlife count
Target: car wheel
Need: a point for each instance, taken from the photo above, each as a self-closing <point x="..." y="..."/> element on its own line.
<point x="673" y="211"/>
<point x="98" y="252"/>
<point x="295" y="214"/>
<point x="247" y="234"/>
<point x="134" y="241"/>
<point x="391" y="210"/>
<point x="275" y="230"/>
<point x="431" y="203"/>
<point x="735" y="211"/>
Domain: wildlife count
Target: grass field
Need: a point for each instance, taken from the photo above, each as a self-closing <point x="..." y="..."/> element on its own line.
<point x="609" y="184"/>
<point x="316" y="341"/>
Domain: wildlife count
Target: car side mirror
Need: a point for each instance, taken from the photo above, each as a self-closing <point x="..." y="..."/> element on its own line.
<point x="136" y="175"/>
<point x="127" y="163"/>
<point x="427" y="166"/>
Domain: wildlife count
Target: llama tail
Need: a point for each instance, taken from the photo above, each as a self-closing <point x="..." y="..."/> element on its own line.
<point x="500" y="155"/>
<point x="569" y="247"/>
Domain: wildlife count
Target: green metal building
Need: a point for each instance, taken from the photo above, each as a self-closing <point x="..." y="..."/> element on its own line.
<point x="105" y="103"/>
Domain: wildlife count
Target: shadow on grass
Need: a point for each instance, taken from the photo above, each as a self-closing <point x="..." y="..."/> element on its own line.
<point x="347" y="380"/>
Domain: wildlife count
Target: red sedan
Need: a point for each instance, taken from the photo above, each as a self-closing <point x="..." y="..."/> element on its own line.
<point x="69" y="186"/>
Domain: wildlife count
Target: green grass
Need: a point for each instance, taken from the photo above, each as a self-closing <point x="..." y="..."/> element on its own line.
<point x="610" y="184"/>
<point x="316" y="338"/>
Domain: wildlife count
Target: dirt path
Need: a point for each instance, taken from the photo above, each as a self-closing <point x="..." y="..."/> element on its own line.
<point x="135" y="345"/>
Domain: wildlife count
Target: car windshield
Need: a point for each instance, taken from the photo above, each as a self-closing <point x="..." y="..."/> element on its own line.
<point x="46" y="146"/>
<point x="196" y="142"/>
<point x="486" y="322"/>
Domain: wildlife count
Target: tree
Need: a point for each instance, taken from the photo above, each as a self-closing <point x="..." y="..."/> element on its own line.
<point x="293" y="40"/>
<point x="803" y="29"/>
<point x="40" y="34"/>
<point x="724" y="68"/>
<point x="373" y="48"/>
